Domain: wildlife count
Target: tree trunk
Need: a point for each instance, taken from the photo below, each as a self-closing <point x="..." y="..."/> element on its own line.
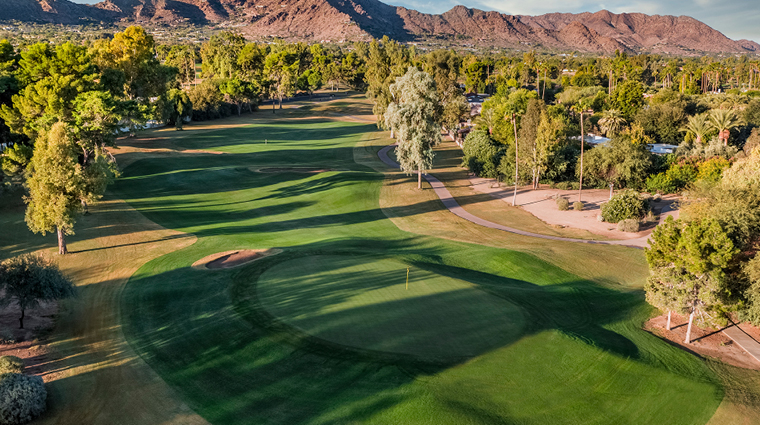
<point x="517" y="175"/>
<point x="280" y="102"/>
<point x="583" y="142"/>
<point x="240" y="108"/>
<point x="668" y="325"/>
<point x="419" y="177"/>
<point x="688" y="329"/>
<point x="273" y="102"/>
<point x="21" y="319"/>
<point x="62" y="249"/>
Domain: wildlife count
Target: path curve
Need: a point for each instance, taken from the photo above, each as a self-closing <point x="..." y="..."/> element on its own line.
<point x="452" y="205"/>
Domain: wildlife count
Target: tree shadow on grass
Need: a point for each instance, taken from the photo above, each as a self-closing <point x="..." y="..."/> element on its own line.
<point x="186" y="328"/>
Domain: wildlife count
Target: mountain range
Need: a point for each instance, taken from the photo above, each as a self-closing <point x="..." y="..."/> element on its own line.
<point x="347" y="20"/>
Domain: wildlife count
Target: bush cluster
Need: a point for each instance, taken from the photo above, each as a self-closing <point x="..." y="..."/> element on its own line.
<point x="22" y="398"/>
<point x="627" y="204"/>
<point x="563" y="204"/>
<point x="578" y="206"/>
<point x="629" y="225"/>
<point x="682" y="174"/>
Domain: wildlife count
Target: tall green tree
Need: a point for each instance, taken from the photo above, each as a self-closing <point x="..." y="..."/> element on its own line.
<point x="412" y="116"/>
<point x="688" y="262"/>
<point x="57" y="185"/>
<point x="281" y="67"/>
<point x="30" y="279"/>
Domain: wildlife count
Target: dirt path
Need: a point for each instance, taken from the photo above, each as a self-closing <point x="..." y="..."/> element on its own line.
<point x="452" y="205"/>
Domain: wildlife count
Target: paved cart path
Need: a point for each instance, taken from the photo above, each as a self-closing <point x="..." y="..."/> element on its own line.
<point x="453" y="206"/>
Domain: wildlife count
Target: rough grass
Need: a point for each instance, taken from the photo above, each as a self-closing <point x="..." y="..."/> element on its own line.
<point x="582" y="358"/>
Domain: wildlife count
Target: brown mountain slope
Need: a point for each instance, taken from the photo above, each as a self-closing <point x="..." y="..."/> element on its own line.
<point x="335" y="20"/>
<point x="50" y="11"/>
<point x="647" y="32"/>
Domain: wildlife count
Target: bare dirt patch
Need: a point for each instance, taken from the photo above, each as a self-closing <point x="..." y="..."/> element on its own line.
<point x="30" y="343"/>
<point x="706" y="342"/>
<point x="542" y="204"/>
<point x="229" y="259"/>
<point x="303" y="170"/>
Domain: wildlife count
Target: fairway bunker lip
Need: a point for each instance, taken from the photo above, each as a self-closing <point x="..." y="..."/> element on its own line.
<point x="301" y="170"/>
<point x="233" y="258"/>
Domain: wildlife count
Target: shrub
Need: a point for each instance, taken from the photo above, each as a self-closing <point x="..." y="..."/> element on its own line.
<point x="629" y="225"/>
<point x="564" y="186"/>
<point x="624" y="205"/>
<point x="22" y="398"/>
<point x="712" y="169"/>
<point x="563" y="204"/>
<point x="578" y="206"/>
<point x="11" y="364"/>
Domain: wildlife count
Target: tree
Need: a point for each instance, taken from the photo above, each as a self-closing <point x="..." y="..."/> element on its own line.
<point x="723" y="120"/>
<point x="310" y="81"/>
<point x="612" y="122"/>
<point x="624" y="162"/>
<point x="698" y="127"/>
<point x="57" y="184"/>
<point x="30" y="279"/>
<point x="412" y="116"/>
<point x="239" y="93"/>
<point x="282" y="70"/>
<point x="177" y="107"/>
<point x="480" y="155"/>
<point x="688" y="262"/>
<point x="183" y="58"/>
<point x="628" y="98"/>
<point x="220" y="56"/>
<point x="581" y="108"/>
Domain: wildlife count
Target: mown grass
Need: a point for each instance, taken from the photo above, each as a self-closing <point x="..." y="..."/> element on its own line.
<point x="581" y="356"/>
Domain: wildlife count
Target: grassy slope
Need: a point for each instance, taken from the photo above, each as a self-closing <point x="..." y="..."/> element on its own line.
<point x="583" y="359"/>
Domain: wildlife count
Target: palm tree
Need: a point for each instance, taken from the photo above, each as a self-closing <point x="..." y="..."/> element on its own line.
<point x="699" y="127"/>
<point x="581" y="107"/>
<point x="612" y="122"/>
<point x="724" y="120"/>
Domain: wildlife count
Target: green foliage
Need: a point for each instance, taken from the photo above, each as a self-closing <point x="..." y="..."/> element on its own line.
<point x="412" y="117"/>
<point x="11" y="364"/>
<point x="481" y="155"/>
<point x="207" y="101"/>
<point x="22" y="398"/>
<point x="176" y="107"/>
<point x="626" y="204"/>
<point x="711" y="171"/>
<point x="745" y="172"/>
<point x="14" y="161"/>
<point x="628" y="97"/>
<point x="660" y="183"/>
<point x="662" y="122"/>
<point x="220" y="55"/>
<point x="688" y="262"/>
<point x="625" y="161"/>
<point x="29" y="279"/>
<point x="563" y="204"/>
<point x="582" y="79"/>
<point x="578" y="206"/>
<point x="56" y="183"/>
<point x="629" y="225"/>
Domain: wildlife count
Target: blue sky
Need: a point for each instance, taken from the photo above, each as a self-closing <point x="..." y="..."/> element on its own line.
<point x="735" y="18"/>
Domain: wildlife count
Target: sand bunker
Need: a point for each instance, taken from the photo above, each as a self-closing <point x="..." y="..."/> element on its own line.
<point x="229" y="259"/>
<point x="304" y="170"/>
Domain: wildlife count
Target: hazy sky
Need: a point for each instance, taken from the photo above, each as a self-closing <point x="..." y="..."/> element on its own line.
<point x="736" y="19"/>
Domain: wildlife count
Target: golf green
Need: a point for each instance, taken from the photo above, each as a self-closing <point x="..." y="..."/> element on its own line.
<point x="364" y="302"/>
